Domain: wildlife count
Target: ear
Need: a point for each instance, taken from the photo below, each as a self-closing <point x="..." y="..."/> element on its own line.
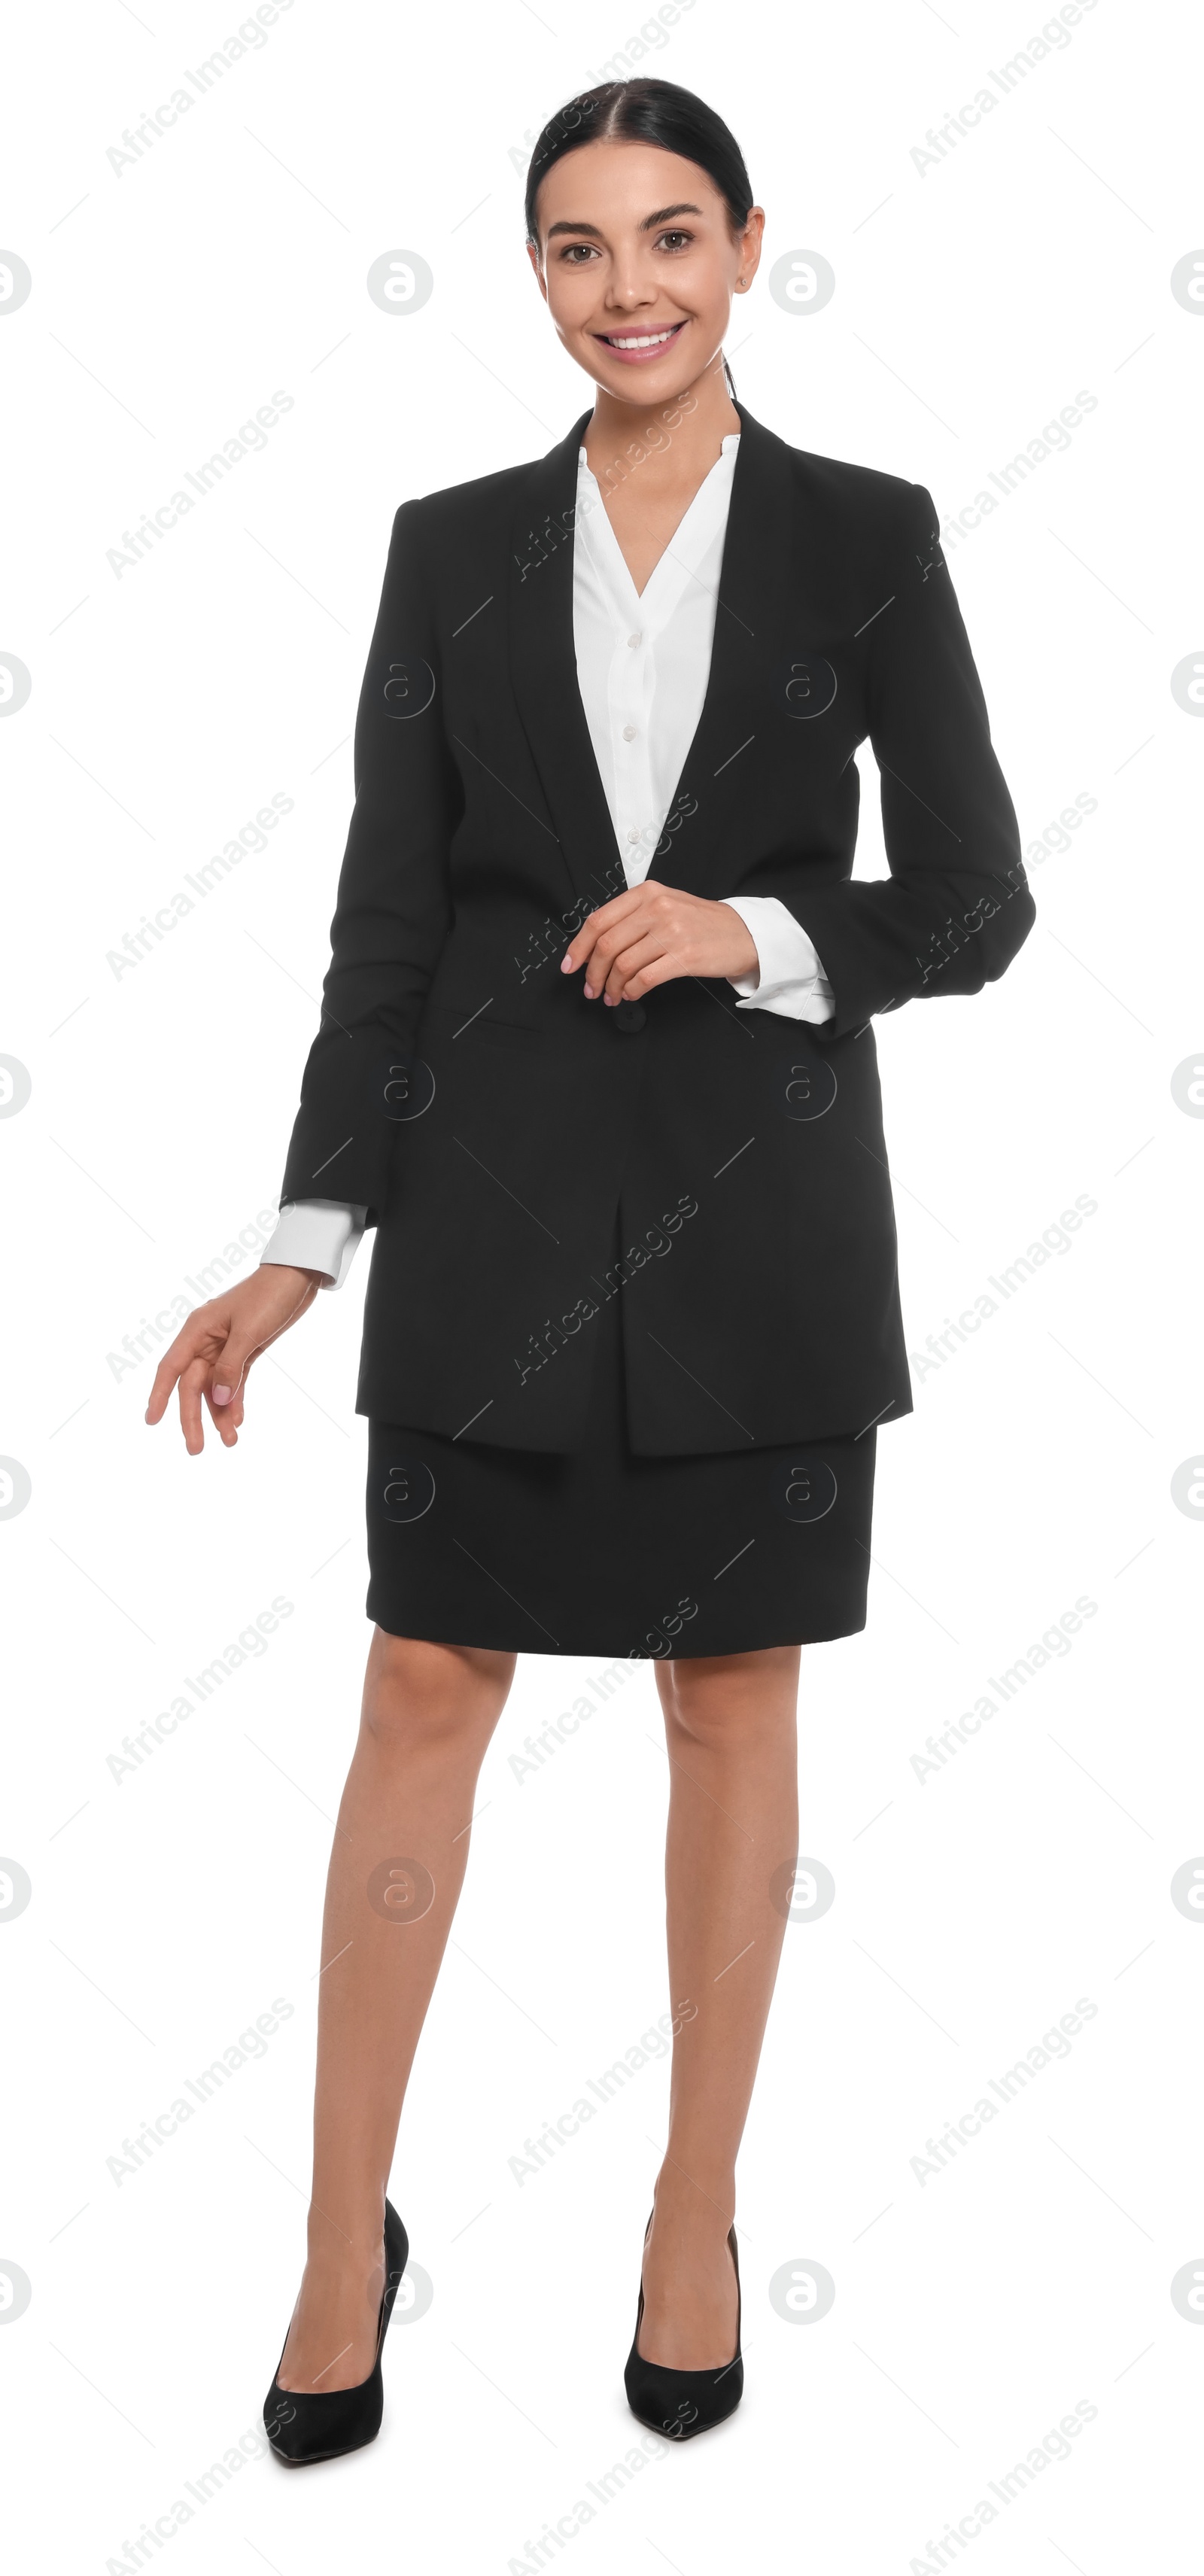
<point x="533" y="256"/>
<point x="750" y="244"/>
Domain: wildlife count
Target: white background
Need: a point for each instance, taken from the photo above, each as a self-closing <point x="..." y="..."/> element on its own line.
<point x="974" y="1907"/>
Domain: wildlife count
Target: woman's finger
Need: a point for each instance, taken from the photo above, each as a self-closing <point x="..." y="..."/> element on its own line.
<point x="231" y="1365"/>
<point x="192" y="1379"/>
<point x="637" y="957"/>
<point x="225" y="1417"/>
<point x="596" y="924"/>
<point x="640" y="924"/>
<point x="654" y="929"/>
<point x="226" y="1387"/>
<point x="193" y="1338"/>
<point x="658" y="967"/>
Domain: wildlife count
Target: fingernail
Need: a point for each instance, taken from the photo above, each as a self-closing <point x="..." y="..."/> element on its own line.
<point x="221" y="1395"/>
<point x="566" y="965"/>
<point x="589" y="992"/>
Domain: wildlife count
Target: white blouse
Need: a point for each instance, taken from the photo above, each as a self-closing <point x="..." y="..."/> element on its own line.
<point x="643" y="660"/>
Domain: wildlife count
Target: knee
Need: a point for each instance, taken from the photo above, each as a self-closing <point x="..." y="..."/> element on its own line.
<point x="696" y="1717"/>
<point x="719" y="1702"/>
<point x="418" y="1693"/>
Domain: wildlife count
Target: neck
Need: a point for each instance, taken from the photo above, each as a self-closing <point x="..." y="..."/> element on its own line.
<point x="680" y="439"/>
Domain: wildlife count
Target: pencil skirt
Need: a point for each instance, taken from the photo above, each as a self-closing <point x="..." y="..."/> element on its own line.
<point x="608" y="1553"/>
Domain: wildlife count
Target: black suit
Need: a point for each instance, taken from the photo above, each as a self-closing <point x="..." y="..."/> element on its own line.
<point x="494" y="1121"/>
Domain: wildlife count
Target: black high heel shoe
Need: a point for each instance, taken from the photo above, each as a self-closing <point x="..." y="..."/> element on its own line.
<point x="680" y="2403"/>
<point x="301" y="2428"/>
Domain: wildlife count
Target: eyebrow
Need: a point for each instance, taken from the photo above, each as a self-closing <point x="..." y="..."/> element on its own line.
<point x="648" y="225"/>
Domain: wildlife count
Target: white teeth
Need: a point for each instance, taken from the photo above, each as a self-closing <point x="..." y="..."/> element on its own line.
<point x="646" y="340"/>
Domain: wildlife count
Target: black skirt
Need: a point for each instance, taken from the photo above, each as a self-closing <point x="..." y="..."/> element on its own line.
<point x="608" y="1553"/>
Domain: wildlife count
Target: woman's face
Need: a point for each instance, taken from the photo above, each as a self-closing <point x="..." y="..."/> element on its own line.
<point x="638" y="264"/>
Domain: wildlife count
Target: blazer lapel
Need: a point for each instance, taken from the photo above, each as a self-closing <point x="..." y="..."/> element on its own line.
<point x="543" y="670"/>
<point x="721" y="762"/>
<point x="754" y="589"/>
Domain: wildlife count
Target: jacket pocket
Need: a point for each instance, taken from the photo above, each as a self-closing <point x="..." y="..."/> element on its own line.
<point x="505" y="1033"/>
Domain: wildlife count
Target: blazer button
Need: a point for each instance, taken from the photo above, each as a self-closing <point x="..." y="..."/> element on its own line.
<point x="628" y="1015"/>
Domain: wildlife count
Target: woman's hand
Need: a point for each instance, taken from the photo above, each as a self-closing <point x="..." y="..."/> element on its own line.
<point x="652" y="932"/>
<point x="213" y="1351"/>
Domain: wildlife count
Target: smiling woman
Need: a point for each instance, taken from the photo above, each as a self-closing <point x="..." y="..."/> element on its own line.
<point x="610" y="715"/>
<point x="639" y="283"/>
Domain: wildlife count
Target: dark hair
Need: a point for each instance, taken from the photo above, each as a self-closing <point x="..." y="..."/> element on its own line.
<point x="645" y="111"/>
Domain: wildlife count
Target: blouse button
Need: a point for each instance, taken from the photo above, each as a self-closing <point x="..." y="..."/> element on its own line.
<point x="633" y="640"/>
<point x="629" y="733"/>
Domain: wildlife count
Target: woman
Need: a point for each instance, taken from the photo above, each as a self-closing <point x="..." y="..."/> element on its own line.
<point x="596" y="1060"/>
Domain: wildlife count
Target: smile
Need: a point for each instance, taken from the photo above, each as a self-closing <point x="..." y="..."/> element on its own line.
<point x="640" y="345"/>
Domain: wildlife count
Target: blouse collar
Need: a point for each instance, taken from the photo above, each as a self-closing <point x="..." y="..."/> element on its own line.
<point x="695" y="533"/>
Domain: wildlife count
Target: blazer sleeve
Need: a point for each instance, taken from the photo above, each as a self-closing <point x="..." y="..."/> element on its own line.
<point x="393" y="909"/>
<point x="956" y="905"/>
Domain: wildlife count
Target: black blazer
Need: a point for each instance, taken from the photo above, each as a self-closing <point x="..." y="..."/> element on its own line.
<point x="494" y="1121"/>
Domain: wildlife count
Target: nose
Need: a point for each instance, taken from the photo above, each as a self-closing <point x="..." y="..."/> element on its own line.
<point x="627" y="286"/>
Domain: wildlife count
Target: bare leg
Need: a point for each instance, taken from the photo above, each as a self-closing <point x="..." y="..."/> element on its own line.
<point x="733" y="1820"/>
<point x="428" y="1714"/>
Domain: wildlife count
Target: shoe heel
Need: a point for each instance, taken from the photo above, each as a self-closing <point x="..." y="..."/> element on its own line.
<point x="681" y="2403"/>
<point x="301" y="2428"/>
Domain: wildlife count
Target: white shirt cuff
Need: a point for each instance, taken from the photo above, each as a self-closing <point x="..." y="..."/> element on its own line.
<point x="790" y="979"/>
<point x="317" y="1234"/>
